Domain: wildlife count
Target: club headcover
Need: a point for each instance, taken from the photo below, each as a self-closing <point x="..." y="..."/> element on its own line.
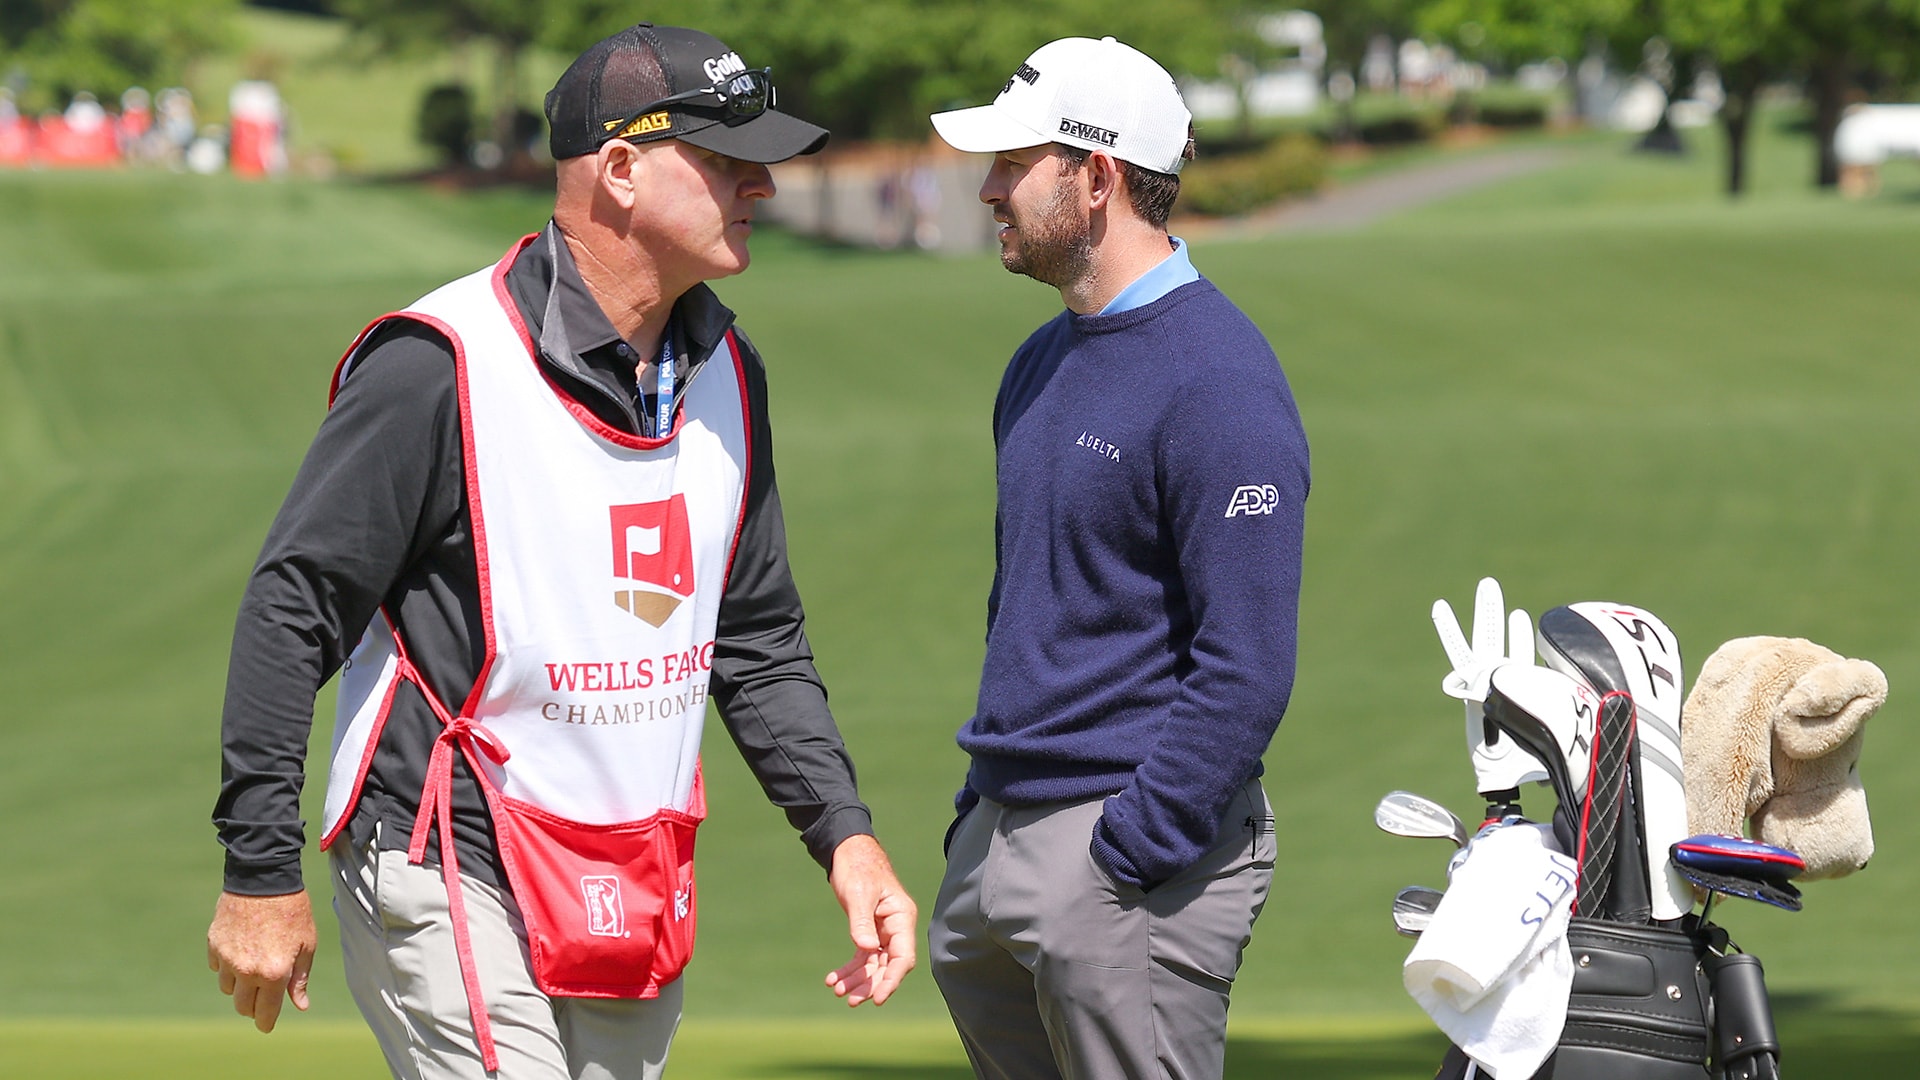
<point x="1606" y="814"/>
<point x="1740" y="857"/>
<point x="1551" y="716"/>
<point x="1499" y="763"/>
<point x="1621" y="647"/>
<point x="1781" y="895"/>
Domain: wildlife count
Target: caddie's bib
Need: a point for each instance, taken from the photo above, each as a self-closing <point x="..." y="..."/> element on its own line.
<point x="602" y="557"/>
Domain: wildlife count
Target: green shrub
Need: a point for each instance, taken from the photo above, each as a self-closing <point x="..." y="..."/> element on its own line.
<point x="1509" y="107"/>
<point x="1241" y="183"/>
<point x="1391" y="121"/>
<point x="445" y="122"/>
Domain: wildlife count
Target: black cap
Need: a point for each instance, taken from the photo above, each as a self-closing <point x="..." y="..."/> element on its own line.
<point x="623" y="74"/>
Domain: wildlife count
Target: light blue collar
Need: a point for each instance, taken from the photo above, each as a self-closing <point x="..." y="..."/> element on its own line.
<point x="1167" y="275"/>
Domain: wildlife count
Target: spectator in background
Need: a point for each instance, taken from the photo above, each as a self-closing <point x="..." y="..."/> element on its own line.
<point x="16" y="133"/>
<point x="177" y="125"/>
<point x="135" y="124"/>
<point x="207" y="153"/>
<point x="255" y="145"/>
<point x="923" y="184"/>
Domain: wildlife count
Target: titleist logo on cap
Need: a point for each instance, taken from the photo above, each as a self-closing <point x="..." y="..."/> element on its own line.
<point x="1088" y="132"/>
<point x="1025" y="74"/>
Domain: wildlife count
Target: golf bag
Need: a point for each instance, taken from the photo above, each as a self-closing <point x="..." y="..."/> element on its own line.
<point x="1658" y="993"/>
<point x="1656" y="1003"/>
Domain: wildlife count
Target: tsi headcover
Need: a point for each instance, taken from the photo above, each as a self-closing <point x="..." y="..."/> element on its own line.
<point x="1621" y="647"/>
<point x="1095" y="95"/>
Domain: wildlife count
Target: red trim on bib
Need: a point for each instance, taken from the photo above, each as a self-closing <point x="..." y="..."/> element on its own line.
<point x="580" y="412"/>
<point x="746" y="463"/>
<point x="366" y="754"/>
<point x="470" y="458"/>
<point x="506" y="299"/>
<point x="602" y="429"/>
<point x="583" y="415"/>
<point x="436" y="806"/>
<point x="468" y="454"/>
<point x="340" y="373"/>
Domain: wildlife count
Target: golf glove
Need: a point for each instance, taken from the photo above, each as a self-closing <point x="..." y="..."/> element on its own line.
<point x="1499" y="764"/>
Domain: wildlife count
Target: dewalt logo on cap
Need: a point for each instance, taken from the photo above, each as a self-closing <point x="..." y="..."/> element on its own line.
<point x="644" y="125"/>
<point x="1092" y="133"/>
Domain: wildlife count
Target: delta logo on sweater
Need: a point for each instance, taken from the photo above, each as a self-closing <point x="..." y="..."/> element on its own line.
<point x="652" y="558"/>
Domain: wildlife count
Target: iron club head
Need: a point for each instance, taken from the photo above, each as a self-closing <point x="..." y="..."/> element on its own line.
<point x="1413" y="909"/>
<point x="1403" y="813"/>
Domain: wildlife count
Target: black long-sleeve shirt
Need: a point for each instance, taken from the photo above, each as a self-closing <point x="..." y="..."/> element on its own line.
<point x="377" y="515"/>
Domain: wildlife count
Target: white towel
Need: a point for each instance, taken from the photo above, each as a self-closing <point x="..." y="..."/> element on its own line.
<point x="1493" y="969"/>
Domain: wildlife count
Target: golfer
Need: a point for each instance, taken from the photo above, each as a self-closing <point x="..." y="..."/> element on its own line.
<point x="1114" y="845"/>
<point x="536" y="533"/>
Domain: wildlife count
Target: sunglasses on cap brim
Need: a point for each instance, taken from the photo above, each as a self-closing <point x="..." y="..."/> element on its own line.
<point x="736" y="98"/>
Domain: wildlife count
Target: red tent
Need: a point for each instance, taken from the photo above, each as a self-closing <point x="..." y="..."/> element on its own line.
<point x="16" y="141"/>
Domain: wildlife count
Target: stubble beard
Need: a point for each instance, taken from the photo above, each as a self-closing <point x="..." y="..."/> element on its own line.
<point x="1055" y="244"/>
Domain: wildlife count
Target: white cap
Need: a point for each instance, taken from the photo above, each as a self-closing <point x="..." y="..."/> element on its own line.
<point x="1096" y="95"/>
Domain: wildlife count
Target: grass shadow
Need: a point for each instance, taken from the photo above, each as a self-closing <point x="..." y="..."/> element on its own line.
<point x="869" y="1071"/>
<point x="1820" y="1036"/>
<point x="1378" y="1057"/>
<point x="1393" y="1057"/>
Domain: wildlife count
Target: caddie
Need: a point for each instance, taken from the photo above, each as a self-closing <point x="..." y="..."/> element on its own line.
<point x="536" y="532"/>
<point x="1113" y="844"/>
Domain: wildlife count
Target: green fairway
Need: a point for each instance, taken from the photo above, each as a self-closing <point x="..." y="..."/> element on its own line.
<point x="1596" y="382"/>
<point x="1860" y="1044"/>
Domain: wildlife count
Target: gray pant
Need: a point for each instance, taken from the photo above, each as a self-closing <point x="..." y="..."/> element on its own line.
<point x="396" y="938"/>
<point x="1053" y="969"/>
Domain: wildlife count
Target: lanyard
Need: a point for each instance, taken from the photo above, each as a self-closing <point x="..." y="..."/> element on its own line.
<point x="661" y="424"/>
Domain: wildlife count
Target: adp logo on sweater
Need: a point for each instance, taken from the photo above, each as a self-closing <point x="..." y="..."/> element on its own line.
<point x="652" y="558"/>
<point x="1253" y="499"/>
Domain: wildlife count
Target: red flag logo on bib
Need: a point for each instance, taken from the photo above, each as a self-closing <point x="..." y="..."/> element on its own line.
<point x="652" y="558"/>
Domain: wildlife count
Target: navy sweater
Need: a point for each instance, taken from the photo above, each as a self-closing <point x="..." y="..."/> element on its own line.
<point x="1141" y="629"/>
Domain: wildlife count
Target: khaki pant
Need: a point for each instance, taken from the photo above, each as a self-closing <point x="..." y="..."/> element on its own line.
<point x="1052" y="969"/>
<point x="396" y="939"/>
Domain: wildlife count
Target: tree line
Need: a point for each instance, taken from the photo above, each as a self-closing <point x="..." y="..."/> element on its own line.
<point x="876" y="68"/>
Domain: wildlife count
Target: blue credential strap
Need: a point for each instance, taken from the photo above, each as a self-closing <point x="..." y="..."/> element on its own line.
<point x="662" y="422"/>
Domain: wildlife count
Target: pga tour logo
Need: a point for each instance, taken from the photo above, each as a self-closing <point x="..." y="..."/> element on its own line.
<point x="1251" y="499"/>
<point x="683" y="902"/>
<point x="652" y="558"/>
<point x="605" y="916"/>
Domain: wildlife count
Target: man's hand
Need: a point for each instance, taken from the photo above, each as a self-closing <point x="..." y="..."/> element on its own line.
<point x="881" y="919"/>
<point x="262" y="946"/>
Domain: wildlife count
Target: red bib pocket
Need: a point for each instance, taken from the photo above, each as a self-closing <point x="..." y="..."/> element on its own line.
<point x="609" y="909"/>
